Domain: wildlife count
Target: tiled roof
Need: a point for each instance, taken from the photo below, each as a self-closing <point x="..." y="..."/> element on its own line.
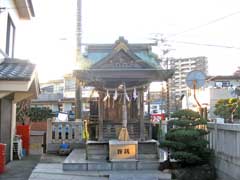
<point x="97" y="52"/>
<point x="16" y="70"/>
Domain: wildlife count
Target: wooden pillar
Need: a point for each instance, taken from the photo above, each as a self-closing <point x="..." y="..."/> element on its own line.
<point x="141" y="115"/>
<point x="149" y="115"/>
<point x="148" y="100"/>
<point x="100" y="117"/>
<point x="78" y="100"/>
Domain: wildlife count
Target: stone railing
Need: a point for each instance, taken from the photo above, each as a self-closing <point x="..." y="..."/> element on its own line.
<point x="224" y="139"/>
<point x="69" y="132"/>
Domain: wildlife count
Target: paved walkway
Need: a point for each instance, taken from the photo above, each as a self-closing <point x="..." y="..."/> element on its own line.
<point x="49" y="167"/>
<point x="20" y="169"/>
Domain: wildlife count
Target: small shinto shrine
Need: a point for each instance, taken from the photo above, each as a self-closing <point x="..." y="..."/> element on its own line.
<point x="118" y="129"/>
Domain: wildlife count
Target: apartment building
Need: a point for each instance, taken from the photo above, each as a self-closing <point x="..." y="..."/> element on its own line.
<point x="182" y="67"/>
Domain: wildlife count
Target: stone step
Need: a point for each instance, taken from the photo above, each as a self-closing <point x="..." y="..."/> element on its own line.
<point x="76" y="162"/>
<point x="110" y="166"/>
<point x="147" y="176"/>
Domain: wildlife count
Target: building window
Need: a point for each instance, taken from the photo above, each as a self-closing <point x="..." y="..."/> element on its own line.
<point x="70" y="85"/>
<point x="10" y="37"/>
<point x="220" y="84"/>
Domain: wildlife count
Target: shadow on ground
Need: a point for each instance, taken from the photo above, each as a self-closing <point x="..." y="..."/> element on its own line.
<point x="20" y="169"/>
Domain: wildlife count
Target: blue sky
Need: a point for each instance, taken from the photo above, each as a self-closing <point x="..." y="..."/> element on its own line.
<point x="52" y="37"/>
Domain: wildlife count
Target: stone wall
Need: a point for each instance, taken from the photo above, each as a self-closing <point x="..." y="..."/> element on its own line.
<point x="225" y="141"/>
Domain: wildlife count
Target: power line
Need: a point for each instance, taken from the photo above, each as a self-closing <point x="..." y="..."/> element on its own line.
<point x="205" y="44"/>
<point x="206" y="24"/>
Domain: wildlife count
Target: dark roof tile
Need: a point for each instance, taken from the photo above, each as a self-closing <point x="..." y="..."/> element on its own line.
<point x="16" y="70"/>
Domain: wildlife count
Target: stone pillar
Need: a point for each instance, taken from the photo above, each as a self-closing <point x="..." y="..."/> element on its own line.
<point x="78" y="100"/>
<point x="141" y="122"/>
<point x="49" y="131"/>
<point x="100" y="117"/>
<point x="70" y="132"/>
<point x="63" y="131"/>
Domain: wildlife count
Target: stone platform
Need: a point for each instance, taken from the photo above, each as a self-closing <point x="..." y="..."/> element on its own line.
<point x="76" y="161"/>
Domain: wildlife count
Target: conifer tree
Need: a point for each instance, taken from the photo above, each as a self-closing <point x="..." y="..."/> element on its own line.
<point x="186" y="138"/>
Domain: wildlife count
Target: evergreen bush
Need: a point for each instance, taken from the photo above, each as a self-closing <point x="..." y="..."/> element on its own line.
<point x="186" y="138"/>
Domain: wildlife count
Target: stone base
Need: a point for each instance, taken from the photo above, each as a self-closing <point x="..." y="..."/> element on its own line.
<point x="76" y="162"/>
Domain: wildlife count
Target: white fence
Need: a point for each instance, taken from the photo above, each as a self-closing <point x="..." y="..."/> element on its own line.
<point x="69" y="132"/>
<point x="224" y="139"/>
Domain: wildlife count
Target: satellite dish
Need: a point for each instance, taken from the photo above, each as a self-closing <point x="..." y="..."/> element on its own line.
<point x="195" y="79"/>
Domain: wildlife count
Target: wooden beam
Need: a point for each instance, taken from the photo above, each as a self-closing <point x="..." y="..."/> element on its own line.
<point x="19" y="96"/>
<point x="3" y="94"/>
<point x="126" y="74"/>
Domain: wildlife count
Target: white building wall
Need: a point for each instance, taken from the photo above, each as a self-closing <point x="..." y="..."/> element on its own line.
<point x="10" y="10"/>
<point x="67" y="107"/>
<point x="207" y="97"/>
<point x="54" y="107"/>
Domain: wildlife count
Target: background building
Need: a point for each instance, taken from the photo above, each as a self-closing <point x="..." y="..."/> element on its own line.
<point x="59" y="95"/>
<point x="182" y="67"/>
<point x="215" y="88"/>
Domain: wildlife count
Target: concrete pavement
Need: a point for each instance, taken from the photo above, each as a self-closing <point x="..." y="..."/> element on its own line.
<point x="20" y="169"/>
<point x="49" y="167"/>
<point x="53" y="171"/>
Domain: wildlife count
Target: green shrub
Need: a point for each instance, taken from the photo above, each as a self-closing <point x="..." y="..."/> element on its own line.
<point x="186" y="138"/>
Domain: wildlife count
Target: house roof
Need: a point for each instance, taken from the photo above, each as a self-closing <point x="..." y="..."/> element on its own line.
<point x="97" y="52"/>
<point x="231" y="77"/>
<point x="16" y="70"/>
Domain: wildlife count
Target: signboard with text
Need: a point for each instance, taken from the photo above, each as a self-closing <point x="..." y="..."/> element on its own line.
<point x="123" y="150"/>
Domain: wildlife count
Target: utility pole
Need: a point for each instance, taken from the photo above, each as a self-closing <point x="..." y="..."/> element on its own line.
<point x="78" y="88"/>
<point x="165" y="49"/>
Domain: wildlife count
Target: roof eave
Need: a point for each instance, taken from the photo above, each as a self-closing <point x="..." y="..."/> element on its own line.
<point x="25" y="9"/>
